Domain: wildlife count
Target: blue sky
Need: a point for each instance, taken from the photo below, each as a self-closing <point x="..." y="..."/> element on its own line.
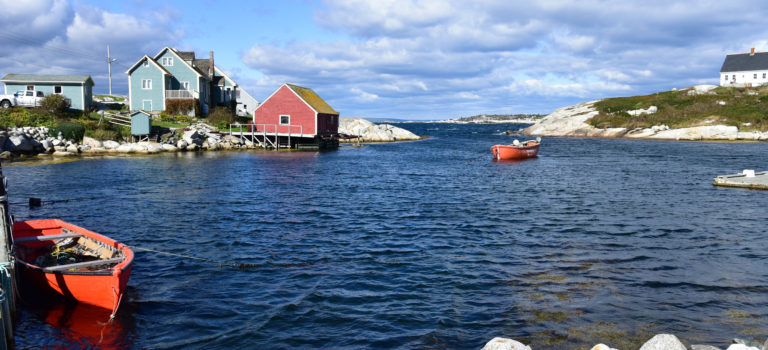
<point x="412" y="59"/>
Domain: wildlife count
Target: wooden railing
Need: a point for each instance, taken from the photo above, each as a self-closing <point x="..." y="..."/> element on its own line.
<point x="115" y="119"/>
<point x="181" y="94"/>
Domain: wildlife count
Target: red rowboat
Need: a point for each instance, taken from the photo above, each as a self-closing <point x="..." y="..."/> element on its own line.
<point x="68" y="260"/>
<point x="517" y="150"/>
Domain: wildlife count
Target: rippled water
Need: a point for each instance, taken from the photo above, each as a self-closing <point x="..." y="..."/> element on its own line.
<point x="426" y="244"/>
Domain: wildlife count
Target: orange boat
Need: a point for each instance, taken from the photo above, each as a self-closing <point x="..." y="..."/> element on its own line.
<point x="517" y="150"/>
<point x="68" y="260"/>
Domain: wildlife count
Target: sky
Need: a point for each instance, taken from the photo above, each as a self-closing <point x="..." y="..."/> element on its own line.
<point x="407" y="59"/>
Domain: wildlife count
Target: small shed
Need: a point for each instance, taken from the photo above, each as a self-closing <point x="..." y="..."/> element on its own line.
<point x="296" y="110"/>
<point x="141" y="123"/>
<point x="77" y="88"/>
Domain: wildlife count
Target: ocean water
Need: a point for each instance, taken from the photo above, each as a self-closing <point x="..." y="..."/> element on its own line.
<point x="427" y="244"/>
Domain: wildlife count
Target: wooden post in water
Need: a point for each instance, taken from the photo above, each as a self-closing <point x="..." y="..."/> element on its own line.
<point x="8" y="292"/>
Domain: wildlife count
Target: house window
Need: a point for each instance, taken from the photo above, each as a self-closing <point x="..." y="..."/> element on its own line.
<point x="146" y="84"/>
<point x="30" y="88"/>
<point x="185" y="85"/>
<point x="57" y="89"/>
<point x="755" y="76"/>
<point x="146" y="63"/>
<point x="285" y="120"/>
<point x="763" y="75"/>
<point x="167" y="61"/>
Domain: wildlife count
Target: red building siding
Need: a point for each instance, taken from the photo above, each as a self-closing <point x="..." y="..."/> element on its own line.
<point x="285" y="102"/>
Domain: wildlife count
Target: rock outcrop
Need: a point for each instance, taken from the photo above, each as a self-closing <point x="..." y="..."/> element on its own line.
<point x="572" y="121"/>
<point x="370" y="132"/>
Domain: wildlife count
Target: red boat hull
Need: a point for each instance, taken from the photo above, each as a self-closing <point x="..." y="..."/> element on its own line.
<point x="506" y="152"/>
<point x="102" y="288"/>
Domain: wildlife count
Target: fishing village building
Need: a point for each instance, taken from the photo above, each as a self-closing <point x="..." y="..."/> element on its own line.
<point x="299" y="117"/>
<point x="77" y="88"/>
<point x="745" y="69"/>
<point x="178" y="75"/>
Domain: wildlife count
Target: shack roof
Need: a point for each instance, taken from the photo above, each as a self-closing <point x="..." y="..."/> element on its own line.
<point x="47" y="78"/>
<point x="312" y="99"/>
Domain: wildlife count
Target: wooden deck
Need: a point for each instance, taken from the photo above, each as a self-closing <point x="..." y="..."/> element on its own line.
<point x="759" y="181"/>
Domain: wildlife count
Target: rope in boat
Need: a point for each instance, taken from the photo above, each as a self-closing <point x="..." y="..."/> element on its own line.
<point x="221" y="263"/>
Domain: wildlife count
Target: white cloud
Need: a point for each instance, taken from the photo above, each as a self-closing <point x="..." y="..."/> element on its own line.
<point x="50" y="36"/>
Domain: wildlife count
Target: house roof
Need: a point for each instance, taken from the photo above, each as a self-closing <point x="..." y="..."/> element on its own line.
<point x="202" y="66"/>
<point x="179" y="55"/>
<point x="745" y="62"/>
<point x="165" y="71"/>
<point x="47" y="78"/>
<point x="186" y="55"/>
<point x="312" y="99"/>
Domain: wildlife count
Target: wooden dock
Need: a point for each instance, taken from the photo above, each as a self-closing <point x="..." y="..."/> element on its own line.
<point x="7" y="281"/>
<point x="747" y="179"/>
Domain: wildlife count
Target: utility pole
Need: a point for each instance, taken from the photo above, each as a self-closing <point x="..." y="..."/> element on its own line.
<point x="109" y="69"/>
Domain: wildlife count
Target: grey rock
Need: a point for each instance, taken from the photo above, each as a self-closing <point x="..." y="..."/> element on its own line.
<point x="182" y="144"/>
<point x="63" y="154"/>
<point x="60" y="148"/>
<point x="57" y="142"/>
<point x="89" y="141"/>
<point x="663" y="342"/>
<point x="704" y="347"/>
<point x="6" y="155"/>
<point x="72" y="149"/>
<point x="742" y="347"/>
<point x="109" y="144"/>
<point x="22" y="144"/>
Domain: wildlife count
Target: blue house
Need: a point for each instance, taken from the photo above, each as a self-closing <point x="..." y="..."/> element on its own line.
<point x="173" y="74"/>
<point x="77" y="88"/>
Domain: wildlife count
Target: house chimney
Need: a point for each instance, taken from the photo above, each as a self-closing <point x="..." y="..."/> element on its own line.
<point x="751" y="52"/>
<point x="210" y="64"/>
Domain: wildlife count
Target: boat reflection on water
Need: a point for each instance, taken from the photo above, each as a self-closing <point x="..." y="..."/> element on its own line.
<point x="84" y="326"/>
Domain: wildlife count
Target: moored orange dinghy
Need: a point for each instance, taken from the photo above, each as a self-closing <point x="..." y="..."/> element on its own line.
<point x="517" y="150"/>
<point x="57" y="257"/>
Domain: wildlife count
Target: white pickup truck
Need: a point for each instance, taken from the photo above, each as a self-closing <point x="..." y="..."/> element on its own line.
<point x="22" y="99"/>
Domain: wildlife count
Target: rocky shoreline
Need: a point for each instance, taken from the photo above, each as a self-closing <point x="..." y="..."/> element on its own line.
<point x="572" y="121"/>
<point x="658" y="342"/>
<point x="35" y="141"/>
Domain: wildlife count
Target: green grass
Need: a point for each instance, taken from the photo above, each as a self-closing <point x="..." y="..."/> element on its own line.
<point x="114" y="98"/>
<point x="678" y="109"/>
<point x="168" y="124"/>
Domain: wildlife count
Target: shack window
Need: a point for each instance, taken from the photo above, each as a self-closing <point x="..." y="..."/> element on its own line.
<point x="57" y="89"/>
<point x="146" y="84"/>
<point x="285" y="120"/>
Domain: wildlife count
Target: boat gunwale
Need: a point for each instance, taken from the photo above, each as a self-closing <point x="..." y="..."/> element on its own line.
<point x="60" y="224"/>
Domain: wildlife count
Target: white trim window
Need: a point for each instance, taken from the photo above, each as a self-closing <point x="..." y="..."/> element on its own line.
<point x="146" y="84"/>
<point x="168" y="61"/>
<point x="146" y="63"/>
<point x="285" y="119"/>
<point x="57" y="89"/>
<point x="185" y="85"/>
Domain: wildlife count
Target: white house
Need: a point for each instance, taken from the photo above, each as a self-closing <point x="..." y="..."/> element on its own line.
<point x="745" y="69"/>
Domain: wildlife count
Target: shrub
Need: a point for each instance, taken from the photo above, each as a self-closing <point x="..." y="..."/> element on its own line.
<point x="221" y="117"/>
<point x="182" y="106"/>
<point x="101" y="134"/>
<point x="69" y="130"/>
<point x="58" y="105"/>
<point x="16" y="117"/>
